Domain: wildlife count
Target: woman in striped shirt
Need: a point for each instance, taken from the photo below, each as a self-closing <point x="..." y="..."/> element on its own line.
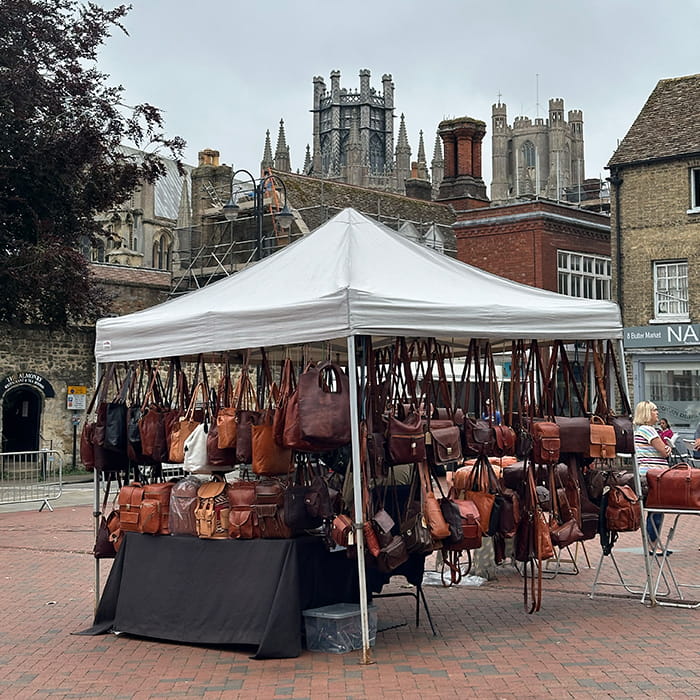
<point x="650" y="451"/>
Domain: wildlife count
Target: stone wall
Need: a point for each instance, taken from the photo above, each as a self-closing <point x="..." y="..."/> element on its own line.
<point x="64" y="358"/>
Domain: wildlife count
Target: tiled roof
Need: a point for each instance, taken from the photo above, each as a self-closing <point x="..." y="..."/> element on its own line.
<point x="127" y="275"/>
<point x="667" y="126"/>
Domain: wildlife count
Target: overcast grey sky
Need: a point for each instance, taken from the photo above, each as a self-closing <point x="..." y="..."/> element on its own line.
<point x="224" y="71"/>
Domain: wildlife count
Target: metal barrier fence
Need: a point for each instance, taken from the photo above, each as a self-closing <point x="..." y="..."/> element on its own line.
<point x="31" y="476"/>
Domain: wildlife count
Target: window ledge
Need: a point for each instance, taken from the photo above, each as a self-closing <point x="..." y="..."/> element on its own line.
<point x="669" y="319"/>
<point x="694" y="210"/>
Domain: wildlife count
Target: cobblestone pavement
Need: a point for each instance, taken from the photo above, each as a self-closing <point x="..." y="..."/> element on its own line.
<point x="487" y="646"/>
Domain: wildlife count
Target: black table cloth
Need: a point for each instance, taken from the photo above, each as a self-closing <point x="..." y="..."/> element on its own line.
<point x="223" y="592"/>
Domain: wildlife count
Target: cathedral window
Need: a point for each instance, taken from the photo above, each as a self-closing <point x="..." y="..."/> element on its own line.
<point x="529" y="156"/>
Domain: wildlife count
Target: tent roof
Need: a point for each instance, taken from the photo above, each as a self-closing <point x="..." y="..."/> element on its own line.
<point x="351" y="276"/>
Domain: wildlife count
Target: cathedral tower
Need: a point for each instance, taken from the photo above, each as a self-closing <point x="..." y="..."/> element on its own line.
<point x="357" y="121"/>
<point x="537" y="159"/>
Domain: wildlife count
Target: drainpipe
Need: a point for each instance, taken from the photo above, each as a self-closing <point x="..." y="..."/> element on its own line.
<point x="616" y="180"/>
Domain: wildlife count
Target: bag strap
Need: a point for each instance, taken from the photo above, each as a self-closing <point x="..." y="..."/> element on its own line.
<point x="610" y="358"/>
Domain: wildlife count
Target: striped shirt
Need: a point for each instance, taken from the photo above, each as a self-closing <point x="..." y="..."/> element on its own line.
<point x="645" y="453"/>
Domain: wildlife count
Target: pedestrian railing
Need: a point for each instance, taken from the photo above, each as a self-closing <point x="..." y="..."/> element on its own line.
<point x="27" y="477"/>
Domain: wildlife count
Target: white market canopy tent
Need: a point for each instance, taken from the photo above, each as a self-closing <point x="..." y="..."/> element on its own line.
<point x="351" y="276"/>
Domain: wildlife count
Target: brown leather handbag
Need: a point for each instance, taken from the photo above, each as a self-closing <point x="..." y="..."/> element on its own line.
<point x="269" y="459"/>
<point x="324" y="406"/>
<point x="675" y="487"/>
<point x="405" y="439"/>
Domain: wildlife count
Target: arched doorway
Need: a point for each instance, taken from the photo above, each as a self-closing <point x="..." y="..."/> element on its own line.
<point x="21" y="414"/>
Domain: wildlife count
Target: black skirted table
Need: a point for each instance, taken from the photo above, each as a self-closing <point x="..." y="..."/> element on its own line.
<point x="247" y="592"/>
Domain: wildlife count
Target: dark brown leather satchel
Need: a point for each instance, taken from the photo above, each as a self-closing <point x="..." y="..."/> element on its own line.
<point x="392" y="555"/>
<point x="445" y="444"/>
<point x="406" y="439"/>
<point x="269" y="505"/>
<point x="324" y="406"/>
<point x="675" y="487"/>
<point x="479" y="437"/>
<point x="574" y="434"/>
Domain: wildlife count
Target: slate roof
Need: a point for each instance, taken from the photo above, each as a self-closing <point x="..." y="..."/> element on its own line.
<point x="667" y="126"/>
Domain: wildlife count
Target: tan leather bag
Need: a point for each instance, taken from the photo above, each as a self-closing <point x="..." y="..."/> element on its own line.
<point x="603" y="439"/>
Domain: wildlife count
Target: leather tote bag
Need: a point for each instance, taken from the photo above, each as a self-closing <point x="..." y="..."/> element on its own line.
<point x="324" y="406"/>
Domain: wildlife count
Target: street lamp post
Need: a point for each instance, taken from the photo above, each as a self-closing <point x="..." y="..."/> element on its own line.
<point x="231" y="209"/>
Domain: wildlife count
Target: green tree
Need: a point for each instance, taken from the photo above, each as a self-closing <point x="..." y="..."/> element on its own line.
<point x="61" y="127"/>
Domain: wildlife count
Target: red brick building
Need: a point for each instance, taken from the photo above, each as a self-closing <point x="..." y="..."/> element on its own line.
<point x="540" y="242"/>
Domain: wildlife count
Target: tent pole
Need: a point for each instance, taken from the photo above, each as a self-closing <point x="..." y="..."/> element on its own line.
<point x="638" y="487"/>
<point x="357" y="499"/>
<point x="96" y="508"/>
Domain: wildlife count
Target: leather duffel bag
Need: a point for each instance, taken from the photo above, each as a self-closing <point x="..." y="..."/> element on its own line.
<point x="675" y="487"/>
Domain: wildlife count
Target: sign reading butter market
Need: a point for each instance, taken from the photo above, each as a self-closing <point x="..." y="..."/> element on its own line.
<point x="31" y="379"/>
<point x="672" y="335"/>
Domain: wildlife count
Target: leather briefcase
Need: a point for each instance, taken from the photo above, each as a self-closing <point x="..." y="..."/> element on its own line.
<point x="675" y="487"/>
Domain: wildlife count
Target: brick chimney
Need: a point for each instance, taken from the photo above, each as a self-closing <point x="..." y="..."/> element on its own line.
<point x="462" y="184"/>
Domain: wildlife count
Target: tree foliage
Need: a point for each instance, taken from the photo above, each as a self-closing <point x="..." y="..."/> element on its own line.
<point x="61" y="127"/>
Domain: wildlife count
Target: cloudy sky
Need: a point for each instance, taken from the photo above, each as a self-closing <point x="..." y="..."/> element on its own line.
<point x="225" y="71"/>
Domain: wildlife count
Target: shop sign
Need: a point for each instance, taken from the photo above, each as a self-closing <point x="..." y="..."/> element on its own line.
<point x="672" y="335"/>
<point x="32" y="379"/>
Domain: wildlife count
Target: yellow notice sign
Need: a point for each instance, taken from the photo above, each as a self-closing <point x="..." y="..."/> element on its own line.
<point x="76" y="398"/>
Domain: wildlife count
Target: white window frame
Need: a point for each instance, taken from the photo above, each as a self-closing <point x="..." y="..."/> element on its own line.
<point x="694" y="191"/>
<point x="670" y="298"/>
<point x="584" y="275"/>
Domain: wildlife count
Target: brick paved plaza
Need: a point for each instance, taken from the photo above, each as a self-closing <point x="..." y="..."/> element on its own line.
<point x="487" y="646"/>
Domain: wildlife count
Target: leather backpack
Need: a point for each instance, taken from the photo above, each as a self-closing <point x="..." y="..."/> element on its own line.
<point x="213" y="508"/>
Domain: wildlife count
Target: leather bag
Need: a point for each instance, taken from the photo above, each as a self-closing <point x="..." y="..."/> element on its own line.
<point x="213" y="510"/>
<point x="445" y="444"/>
<point x="196" y="458"/>
<point x="675" y="487"/>
<point x="623" y="512"/>
<point x="243" y="517"/>
<point x="183" y="503"/>
<point x="324" y="406"/>
<point x="392" y="555"/>
<point x="269" y="505"/>
<point x="545" y="442"/>
<point x="602" y="439"/>
<point x="416" y="534"/>
<point x="129" y="500"/>
<point x="574" y="434"/>
<point x="405" y="439"/>
<point x="269" y="458"/>
<point x="342" y="531"/>
<point x="156" y="507"/>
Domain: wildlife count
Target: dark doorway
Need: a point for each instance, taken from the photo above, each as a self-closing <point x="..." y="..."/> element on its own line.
<point x="21" y="410"/>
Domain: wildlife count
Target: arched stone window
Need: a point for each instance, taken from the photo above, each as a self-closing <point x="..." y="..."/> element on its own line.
<point x="162" y="251"/>
<point x="529" y="154"/>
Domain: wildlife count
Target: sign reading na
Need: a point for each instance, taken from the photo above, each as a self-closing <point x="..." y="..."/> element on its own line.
<point x="672" y="335"/>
